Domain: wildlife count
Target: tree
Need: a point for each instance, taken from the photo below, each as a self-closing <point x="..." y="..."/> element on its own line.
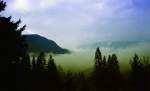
<point x="98" y="57"/>
<point x="2" y="5"/>
<point x="104" y="61"/>
<point x="109" y="59"/>
<point x="135" y="63"/>
<point x="33" y="64"/>
<point x="114" y="76"/>
<point x="26" y="63"/>
<point x="41" y="61"/>
<point x="51" y="65"/>
<point x="54" y="77"/>
<point x="82" y="83"/>
<point x="139" y="74"/>
<point x="113" y="63"/>
<point x="12" y="47"/>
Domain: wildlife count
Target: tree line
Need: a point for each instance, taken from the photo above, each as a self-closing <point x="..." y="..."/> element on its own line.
<point x="21" y="72"/>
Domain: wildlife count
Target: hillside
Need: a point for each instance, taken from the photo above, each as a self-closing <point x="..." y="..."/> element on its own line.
<point x="39" y="44"/>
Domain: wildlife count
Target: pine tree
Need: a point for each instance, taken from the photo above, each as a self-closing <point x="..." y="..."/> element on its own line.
<point x="135" y="63"/>
<point x="104" y="60"/>
<point x="33" y="64"/>
<point x="98" y="57"/>
<point x="113" y="76"/>
<point x="26" y="63"/>
<point x="41" y="62"/>
<point x="140" y="79"/>
<point x="109" y="59"/>
<point x="54" y="77"/>
<point x="13" y="48"/>
<point x="2" y="5"/>
<point x="51" y="65"/>
<point x="115" y="62"/>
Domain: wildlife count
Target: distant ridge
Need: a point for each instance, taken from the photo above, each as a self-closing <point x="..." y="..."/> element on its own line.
<point x="114" y="44"/>
<point x="39" y="44"/>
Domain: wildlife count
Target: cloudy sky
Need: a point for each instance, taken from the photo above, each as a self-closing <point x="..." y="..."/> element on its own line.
<point x="74" y="22"/>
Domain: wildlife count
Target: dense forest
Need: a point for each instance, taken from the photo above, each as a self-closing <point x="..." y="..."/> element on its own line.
<point x="21" y="72"/>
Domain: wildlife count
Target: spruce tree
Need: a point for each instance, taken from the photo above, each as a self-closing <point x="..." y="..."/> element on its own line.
<point x="54" y="77"/>
<point x="33" y="64"/>
<point x="2" y="5"/>
<point x="113" y="64"/>
<point x="13" y="48"/>
<point x="51" y="65"/>
<point x="98" y="57"/>
<point x="104" y="60"/>
<point x="26" y="63"/>
<point x="41" y="62"/>
<point x="135" y="63"/>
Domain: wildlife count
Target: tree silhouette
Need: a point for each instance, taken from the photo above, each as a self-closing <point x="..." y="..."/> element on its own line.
<point x="54" y="76"/>
<point x="140" y="73"/>
<point x="41" y="61"/>
<point x="107" y="76"/>
<point x="135" y="63"/>
<point x="25" y="63"/>
<point x="51" y="65"/>
<point x="2" y="5"/>
<point x="113" y="63"/>
<point x="34" y="64"/>
<point x="13" y="48"/>
<point x="99" y="71"/>
<point x="70" y="82"/>
<point x="104" y="60"/>
<point x="82" y="82"/>
<point x="98" y="57"/>
<point x="114" y="76"/>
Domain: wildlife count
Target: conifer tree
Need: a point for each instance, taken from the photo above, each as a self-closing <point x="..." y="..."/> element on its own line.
<point x="2" y="5"/>
<point x="51" y="65"/>
<point x="109" y="59"/>
<point x="26" y="63"/>
<point x="98" y="57"/>
<point x="13" y="47"/>
<point x="54" y="77"/>
<point x="33" y="64"/>
<point x="41" y="62"/>
<point x="135" y="63"/>
<point x="114" y="76"/>
<point x="115" y="62"/>
<point x="140" y="79"/>
<point x="104" y="60"/>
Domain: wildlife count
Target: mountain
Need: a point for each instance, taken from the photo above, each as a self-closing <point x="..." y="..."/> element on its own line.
<point x="39" y="44"/>
<point x="114" y="44"/>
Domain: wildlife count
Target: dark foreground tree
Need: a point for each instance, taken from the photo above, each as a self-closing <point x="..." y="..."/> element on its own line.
<point x="34" y="66"/>
<point x="98" y="57"/>
<point x="107" y="76"/>
<point x="41" y="62"/>
<point x="55" y="82"/>
<point x="140" y="73"/>
<point x="114" y="76"/>
<point x="12" y="49"/>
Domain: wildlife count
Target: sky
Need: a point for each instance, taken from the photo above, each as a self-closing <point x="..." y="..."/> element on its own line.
<point x="75" y="22"/>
